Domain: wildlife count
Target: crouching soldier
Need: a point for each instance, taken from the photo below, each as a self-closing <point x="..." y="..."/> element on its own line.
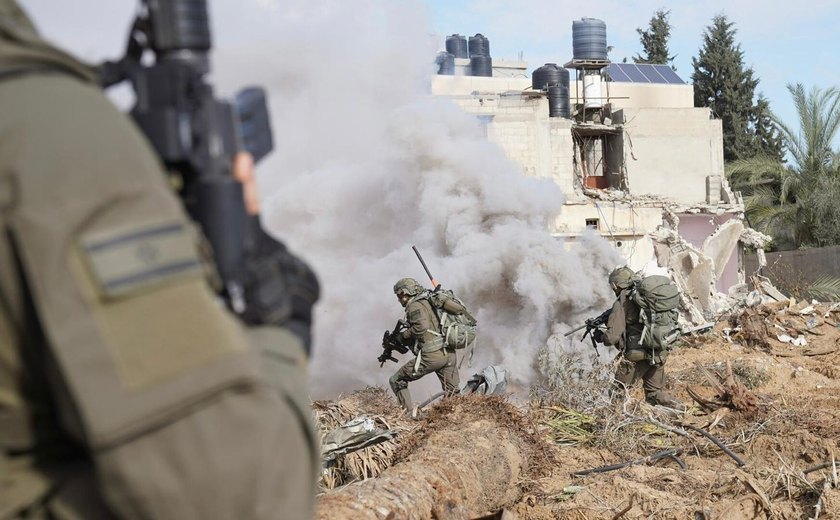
<point x="423" y="337"/>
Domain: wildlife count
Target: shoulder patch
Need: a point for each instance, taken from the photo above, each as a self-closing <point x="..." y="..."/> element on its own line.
<point x="415" y="315"/>
<point x="128" y="259"/>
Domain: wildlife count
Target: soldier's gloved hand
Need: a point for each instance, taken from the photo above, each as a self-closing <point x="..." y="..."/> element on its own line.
<point x="280" y="288"/>
<point x="598" y="335"/>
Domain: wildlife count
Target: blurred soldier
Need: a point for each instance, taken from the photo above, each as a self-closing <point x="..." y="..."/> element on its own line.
<point x="424" y="338"/>
<point x="624" y="330"/>
<point x="126" y="389"/>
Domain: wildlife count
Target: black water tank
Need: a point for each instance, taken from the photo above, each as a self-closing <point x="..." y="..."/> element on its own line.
<point x="457" y="46"/>
<point x="589" y="39"/>
<point x="446" y="63"/>
<point x="479" y="45"/>
<point x="558" y="102"/>
<point x="549" y="74"/>
<point x="481" y="66"/>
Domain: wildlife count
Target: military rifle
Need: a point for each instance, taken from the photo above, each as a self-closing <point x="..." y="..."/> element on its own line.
<point x="590" y="325"/>
<point x="391" y="341"/>
<point x="195" y="134"/>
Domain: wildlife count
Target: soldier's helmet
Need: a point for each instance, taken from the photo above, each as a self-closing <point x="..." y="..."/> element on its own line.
<point x="622" y="277"/>
<point x="407" y="286"/>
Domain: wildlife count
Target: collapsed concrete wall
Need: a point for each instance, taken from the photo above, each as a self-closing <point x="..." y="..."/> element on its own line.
<point x="697" y="270"/>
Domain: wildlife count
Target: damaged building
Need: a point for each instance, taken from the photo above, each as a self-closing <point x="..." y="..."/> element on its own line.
<point x="637" y="162"/>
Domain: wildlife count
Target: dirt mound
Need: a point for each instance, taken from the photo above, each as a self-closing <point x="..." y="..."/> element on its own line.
<point x="470" y="455"/>
<point x="448" y="419"/>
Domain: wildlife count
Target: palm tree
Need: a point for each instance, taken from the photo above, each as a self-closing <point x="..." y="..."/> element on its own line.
<point x="796" y="202"/>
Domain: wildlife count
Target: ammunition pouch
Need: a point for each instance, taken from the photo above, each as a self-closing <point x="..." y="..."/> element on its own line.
<point x="431" y="346"/>
<point x="635" y="354"/>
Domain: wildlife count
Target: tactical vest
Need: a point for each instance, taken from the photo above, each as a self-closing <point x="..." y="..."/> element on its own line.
<point x="431" y="340"/>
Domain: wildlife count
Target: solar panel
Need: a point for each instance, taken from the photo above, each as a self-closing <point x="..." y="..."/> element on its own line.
<point x="616" y="74"/>
<point x="634" y="73"/>
<point x="651" y="74"/>
<point x="669" y="74"/>
<point x="643" y="73"/>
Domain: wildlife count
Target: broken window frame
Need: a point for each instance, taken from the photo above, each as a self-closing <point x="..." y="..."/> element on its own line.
<point x="609" y="163"/>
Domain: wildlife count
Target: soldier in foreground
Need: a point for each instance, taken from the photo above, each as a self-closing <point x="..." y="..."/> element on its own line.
<point x="423" y="336"/>
<point x="626" y="330"/>
<point x="126" y="389"/>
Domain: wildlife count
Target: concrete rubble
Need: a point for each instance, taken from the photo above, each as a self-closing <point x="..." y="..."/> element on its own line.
<point x="696" y="270"/>
<point x="781" y="325"/>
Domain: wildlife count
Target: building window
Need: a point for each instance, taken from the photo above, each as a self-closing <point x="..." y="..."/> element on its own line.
<point x="592" y="223"/>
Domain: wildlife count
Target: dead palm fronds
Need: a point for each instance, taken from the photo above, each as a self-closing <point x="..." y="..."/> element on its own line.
<point x="373" y="460"/>
<point x="566" y="427"/>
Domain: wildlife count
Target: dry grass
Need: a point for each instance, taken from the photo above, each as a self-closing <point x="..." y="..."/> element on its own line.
<point x="570" y="380"/>
<point x="572" y="406"/>
<point x="744" y="371"/>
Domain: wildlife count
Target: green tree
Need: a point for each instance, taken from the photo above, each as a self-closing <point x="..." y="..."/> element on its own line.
<point x="796" y="203"/>
<point x="766" y="137"/>
<point x="723" y="83"/>
<point x="655" y="40"/>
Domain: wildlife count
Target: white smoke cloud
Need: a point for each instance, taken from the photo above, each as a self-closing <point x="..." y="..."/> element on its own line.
<point x="367" y="163"/>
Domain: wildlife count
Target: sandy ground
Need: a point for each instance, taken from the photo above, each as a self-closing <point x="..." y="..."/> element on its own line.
<point x="794" y="424"/>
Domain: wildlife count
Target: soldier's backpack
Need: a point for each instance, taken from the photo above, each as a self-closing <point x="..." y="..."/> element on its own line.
<point x="457" y="326"/>
<point x="658" y="298"/>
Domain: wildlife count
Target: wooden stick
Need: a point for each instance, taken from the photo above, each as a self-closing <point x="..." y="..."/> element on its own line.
<point x="817" y="467"/>
<point x="612" y="467"/>
<point x="624" y="511"/>
<point x="718" y="443"/>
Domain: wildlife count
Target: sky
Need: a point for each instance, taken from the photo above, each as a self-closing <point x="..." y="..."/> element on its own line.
<point x="367" y="164"/>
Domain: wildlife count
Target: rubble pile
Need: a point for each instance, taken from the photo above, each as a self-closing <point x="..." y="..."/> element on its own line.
<point x="783" y="327"/>
<point x="696" y="269"/>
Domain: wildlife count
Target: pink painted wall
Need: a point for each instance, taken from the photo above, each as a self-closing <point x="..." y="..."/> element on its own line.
<point x="696" y="228"/>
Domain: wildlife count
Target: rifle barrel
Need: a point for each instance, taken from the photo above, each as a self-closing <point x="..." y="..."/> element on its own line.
<point x="574" y="330"/>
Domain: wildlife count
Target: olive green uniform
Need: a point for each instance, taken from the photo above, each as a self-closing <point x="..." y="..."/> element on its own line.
<point x="423" y="334"/>
<point x="624" y="330"/>
<point x="126" y="389"/>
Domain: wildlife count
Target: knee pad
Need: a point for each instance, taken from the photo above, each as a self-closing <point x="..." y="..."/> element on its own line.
<point x="397" y="384"/>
